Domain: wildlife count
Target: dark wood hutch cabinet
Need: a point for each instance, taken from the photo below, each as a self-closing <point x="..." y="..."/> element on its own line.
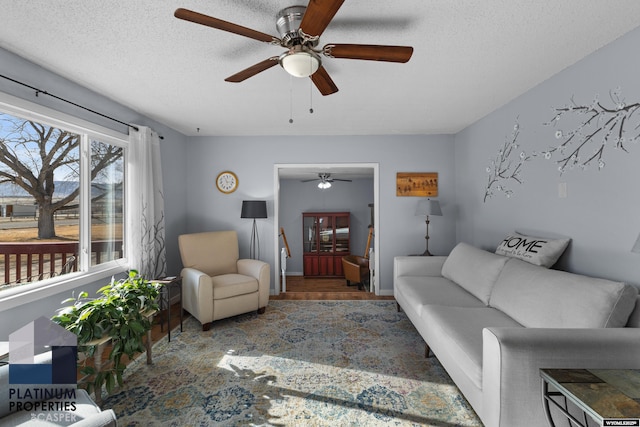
<point x="325" y="240"/>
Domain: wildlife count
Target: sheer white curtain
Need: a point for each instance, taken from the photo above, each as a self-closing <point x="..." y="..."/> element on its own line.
<point x="145" y="205"/>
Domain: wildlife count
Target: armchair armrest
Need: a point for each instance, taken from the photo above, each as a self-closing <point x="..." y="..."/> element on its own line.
<point x="197" y="294"/>
<point x="418" y="266"/>
<point x="250" y="267"/>
<point x="357" y="261"/>
<point x="261" y="271"/>
<point x="512" y="358"/>
<point x="355" y="268"/>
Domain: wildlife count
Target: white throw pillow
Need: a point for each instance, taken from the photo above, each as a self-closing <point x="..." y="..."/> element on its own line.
<point x="535" y="250"/>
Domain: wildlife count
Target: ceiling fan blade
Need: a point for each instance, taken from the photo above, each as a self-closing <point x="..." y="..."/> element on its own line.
<point x="253" y="70"/>
<point x="323" y="82"/>
<point x="338" y="179"/>
<point x="369" y="52"/>
<point x="209" y="21"/>
<point x="309" y="180"/>
<point x="318" y="15"/>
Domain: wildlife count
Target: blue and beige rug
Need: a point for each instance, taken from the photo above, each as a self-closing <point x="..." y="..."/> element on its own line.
<point x="302" y="363"/>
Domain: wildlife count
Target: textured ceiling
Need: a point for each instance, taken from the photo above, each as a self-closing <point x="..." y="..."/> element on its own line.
<point x="470" y="57"/>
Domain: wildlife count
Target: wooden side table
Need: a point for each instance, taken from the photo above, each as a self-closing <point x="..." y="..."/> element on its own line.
<point x="169" y="284"/>
<point x="610" y="397"/>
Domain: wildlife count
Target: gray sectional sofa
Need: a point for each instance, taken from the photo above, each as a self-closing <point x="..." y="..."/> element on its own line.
<point x="494" y="321"/>
<point x="62" y="410"/>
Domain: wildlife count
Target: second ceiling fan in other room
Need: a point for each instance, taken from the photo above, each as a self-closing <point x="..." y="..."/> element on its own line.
<point x="325" y="180"/>
<point x="300" y="29"/>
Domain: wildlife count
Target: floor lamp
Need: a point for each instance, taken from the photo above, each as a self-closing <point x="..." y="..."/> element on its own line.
<point x="425" y="208"/>
<point x="254" y="209"/>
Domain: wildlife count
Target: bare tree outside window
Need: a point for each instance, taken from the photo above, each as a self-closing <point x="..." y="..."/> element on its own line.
<point x="40" y="181"/>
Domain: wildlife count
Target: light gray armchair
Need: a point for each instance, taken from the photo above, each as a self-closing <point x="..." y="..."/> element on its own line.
<point x="216" y="284"/>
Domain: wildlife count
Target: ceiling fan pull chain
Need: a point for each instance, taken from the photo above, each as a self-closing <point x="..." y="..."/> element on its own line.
<point x="310" y="96"/>
<point x="290" y="99"/>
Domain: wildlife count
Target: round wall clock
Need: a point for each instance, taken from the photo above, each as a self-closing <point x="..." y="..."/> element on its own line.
<point x="227" y="182"/>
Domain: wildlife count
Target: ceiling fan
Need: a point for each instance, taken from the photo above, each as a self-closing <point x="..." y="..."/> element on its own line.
<point x="300" y="28"/>
<point x="325" y="180"/>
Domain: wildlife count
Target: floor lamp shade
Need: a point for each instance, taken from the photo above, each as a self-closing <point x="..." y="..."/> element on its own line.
<point x="254" y="209"/>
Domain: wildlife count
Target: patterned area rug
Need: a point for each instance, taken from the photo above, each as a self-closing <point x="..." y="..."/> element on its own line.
<point x="302" y="363"/>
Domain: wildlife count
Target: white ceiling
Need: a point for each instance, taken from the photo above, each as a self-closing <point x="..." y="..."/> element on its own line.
<point x="470" y="57"/>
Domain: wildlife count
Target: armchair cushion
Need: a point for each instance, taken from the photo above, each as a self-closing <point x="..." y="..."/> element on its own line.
<point x="231" y="285"/>
<point x="213" y="253"/>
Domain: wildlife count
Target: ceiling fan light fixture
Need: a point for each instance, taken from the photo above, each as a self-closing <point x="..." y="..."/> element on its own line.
<point x="300" y="63"/>
<point x="323" y="185"/>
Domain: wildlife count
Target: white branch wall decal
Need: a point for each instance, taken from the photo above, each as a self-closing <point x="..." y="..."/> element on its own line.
<point x="506" y="167"/>
<point x="593" y="130"/>
<point x="598" y="128"/>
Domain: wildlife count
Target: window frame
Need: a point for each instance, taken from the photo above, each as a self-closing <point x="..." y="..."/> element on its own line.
<point x="87" y="274"/>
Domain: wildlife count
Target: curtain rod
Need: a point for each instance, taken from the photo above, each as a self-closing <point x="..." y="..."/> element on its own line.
<point x="44" y="92"/>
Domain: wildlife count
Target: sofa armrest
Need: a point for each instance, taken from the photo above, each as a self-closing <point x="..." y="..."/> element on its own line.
<point x="102" y="419"/>
<point x="418" y="266"/>
<point x="512" y="359"/>
<point x="197" y="294"/>
<point x="262" y="272"/>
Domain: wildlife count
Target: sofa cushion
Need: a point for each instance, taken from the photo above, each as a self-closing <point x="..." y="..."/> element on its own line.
<point x="456" y="333"/>
<point x="474" y="269"/>
<point x="434" y="290"/>
<point x="538" y="297"/>
<point x="534" y="250"/>
<point x="634" y="318"/>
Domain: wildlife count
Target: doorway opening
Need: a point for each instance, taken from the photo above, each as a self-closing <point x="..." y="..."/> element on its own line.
<point x="286" y="175"/>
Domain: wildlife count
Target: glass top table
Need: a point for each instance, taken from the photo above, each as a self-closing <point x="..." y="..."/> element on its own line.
<point x="610" y="397"/>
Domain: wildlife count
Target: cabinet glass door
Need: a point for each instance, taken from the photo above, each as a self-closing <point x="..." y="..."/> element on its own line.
<point x="325" y="234"/>
<point x="309" y="234"/>
<point x="342" y="234"/>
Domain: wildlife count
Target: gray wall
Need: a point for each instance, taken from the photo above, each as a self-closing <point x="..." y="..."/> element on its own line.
<point x="297" y="197"/>
<point x="172" y="152"/>
<point x="253" y="158"/>
<point x="602" y="207"/>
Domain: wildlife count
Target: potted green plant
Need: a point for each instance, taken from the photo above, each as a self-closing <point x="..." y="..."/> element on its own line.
<point x="122" y="312"/>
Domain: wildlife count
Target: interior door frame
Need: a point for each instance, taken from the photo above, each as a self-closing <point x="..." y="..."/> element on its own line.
<point x="314" y="167"/>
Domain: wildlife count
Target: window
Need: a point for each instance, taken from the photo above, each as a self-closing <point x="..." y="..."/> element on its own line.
<point x="62" y="192"/>
<point x="107" y="202"/>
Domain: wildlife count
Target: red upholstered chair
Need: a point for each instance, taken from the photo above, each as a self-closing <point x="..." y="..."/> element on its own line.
<point x="356" y="270"/>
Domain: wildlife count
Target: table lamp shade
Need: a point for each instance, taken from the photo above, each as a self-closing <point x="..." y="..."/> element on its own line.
<point x="428" y="207"/>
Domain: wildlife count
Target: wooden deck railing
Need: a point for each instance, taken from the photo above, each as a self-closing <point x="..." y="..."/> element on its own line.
<point x="25" y="262"/>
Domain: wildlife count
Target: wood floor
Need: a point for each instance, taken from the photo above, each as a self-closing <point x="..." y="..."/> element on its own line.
<point x="301" y="288"/>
